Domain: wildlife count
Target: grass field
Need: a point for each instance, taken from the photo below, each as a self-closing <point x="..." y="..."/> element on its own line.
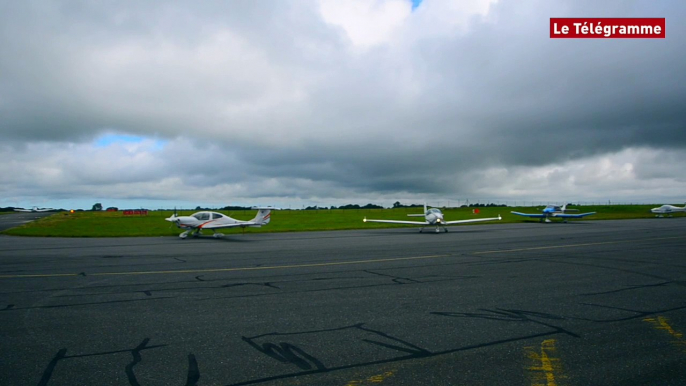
<point x="116" y="224"/>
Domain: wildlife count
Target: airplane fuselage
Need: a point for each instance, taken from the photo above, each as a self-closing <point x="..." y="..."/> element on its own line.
<point x="196" y="222"/>
<point x="201" y="219"/>
<point x="551" y="211"/>
<point x="554" y="211"/>
<point x="667" y="210"/>
<point x="433" y="216"/>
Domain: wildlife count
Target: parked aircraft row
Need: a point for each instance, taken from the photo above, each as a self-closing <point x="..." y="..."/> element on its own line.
<point x="433" y="217"/>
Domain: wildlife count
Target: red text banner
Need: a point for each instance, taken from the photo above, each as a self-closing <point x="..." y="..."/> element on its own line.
<point x="607" y="28"/>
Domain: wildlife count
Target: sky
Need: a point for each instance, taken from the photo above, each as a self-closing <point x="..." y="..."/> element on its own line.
<point x="297" y="103"/>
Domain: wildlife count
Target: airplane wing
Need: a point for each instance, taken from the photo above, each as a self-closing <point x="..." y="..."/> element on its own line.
<point x="565" y="215"/>
<point x="471" y="220"/>
<point x="398" y="222"/>
<point x="22" y="210"/>
<point x="535" y="215"/>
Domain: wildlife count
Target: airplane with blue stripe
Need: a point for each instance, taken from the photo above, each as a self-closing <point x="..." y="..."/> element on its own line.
<point x="555" y="211"/>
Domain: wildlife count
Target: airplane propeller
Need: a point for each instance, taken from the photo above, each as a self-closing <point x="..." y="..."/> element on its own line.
<point x="173" y="219"/>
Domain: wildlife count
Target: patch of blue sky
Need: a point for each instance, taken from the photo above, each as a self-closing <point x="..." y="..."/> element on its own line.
<point x="416" y="3"/>
<point x="119" y="139"/>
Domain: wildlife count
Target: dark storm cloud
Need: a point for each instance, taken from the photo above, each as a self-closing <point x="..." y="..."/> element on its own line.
<point x="564" y="98"/>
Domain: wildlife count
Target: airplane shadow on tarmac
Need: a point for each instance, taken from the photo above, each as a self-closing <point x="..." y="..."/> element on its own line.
<point x="226" y="238"/>
<point x="557" y="222"/>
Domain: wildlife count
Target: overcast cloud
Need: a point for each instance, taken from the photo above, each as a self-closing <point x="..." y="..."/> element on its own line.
<point x="332" y="102"/>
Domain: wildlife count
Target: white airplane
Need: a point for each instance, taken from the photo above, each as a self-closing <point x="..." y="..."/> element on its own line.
<point x="34" y="209"/>
<point x="213" y="220"/>
<point x="555" y="211"/>
<point x="667" y="210"/>
<point x="433" y="217"/>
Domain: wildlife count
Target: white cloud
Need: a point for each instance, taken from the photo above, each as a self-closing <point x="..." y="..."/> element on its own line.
<point x="628" y="175"/>
<point x="366" y="23"/>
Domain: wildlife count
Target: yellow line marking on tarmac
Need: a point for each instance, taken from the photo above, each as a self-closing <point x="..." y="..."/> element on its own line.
<point x="229" y="269"/>
<point x="326" y="264"/>
<point x="662" y="323"/>
<point x="547" y="366"/>
<point x="375" y="379"/>
<point x="573" y="245"/>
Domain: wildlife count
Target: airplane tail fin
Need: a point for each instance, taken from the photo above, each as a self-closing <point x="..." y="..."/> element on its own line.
<point x="264" y="215"/>
<point x="419" y="215"/>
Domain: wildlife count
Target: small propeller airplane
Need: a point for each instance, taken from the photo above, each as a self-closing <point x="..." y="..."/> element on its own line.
<point x="34" y="209"/>
<point x="667" y="210"/>
<point x="556" y="211"/>
<point x="433" y="217"/>
<point x="196" y="222"/>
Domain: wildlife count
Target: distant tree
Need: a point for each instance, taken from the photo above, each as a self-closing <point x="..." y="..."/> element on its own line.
<point x="97" y="206"/>
<point x="397" y="204"/>
<point x="233" y="207"/>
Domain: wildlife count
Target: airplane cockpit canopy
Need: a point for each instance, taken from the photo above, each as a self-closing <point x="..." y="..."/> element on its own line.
<point x="202" y="216"/>
<point x="433" y="211"/>
<point x="216" y="216"/>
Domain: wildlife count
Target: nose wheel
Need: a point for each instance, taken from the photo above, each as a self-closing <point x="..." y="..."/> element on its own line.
<point x="438" y="229"/>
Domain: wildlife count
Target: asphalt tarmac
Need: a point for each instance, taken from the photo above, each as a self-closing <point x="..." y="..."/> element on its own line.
<point x="15" y="219"/>
<point x="583" y="303"/>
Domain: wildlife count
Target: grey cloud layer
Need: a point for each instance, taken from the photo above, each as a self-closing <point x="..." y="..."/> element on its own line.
<point x="269" y="91"/>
